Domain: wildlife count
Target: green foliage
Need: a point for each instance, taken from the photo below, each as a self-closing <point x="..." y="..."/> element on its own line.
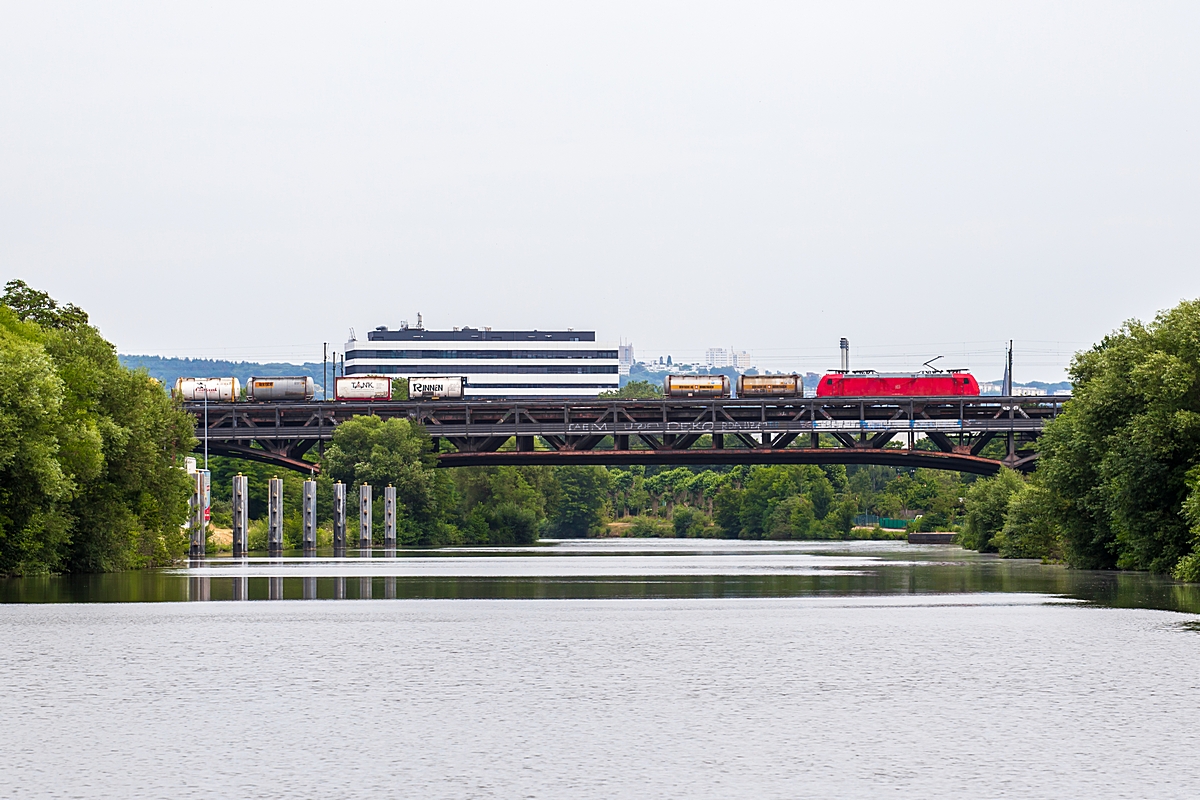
<point x="987" y="503"/>
<point x="577" y="509"/>
<point x="501" y="505"/>
<point x="1116" y="461"/>
<point x="1028" y="531"/>
<point x="650" y="527"/>
<point x="688" y="523"/>
<point x="634" y="390"/>
<point x="30" y="305"/>
<point x="88" y="449"/>
<point x="398" y="453"/>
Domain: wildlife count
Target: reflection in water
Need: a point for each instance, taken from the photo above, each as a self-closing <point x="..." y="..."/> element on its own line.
<point x="613" y="569"/>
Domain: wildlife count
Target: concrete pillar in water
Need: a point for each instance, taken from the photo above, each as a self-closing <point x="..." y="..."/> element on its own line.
<point x="275" y="588"/>
<point x="364" y="516"/>
<point x="201" y="504"/>
<point x="339" y="519"/>
<point x="310" y="587"/>
<point x="389" y="518"/>
<point x="241" y="520"/>
<point x="339" y="588"/>
<point x="309" y="511"/>
<point x="364" y="588"/>
<point x="275" y="516"/>
<point x="241" y="588"/>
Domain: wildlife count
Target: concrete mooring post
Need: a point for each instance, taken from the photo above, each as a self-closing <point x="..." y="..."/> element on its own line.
<point x="201" y="508"/>
<point x="275" y="516"/>
<point x="241" y="519"/>
<point x="339" y="519"/>
<point x="389" y="518"/>
<point x="364" y="516"/>
<point x="309" y="512"/>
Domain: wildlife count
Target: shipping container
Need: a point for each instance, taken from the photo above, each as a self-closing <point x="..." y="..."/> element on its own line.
<point x="423" y="388"/>
<point x="363" y="387"/>
<point x="298" y="387"/>
<point x="770" y="386"/>
<point x="696" y="386"/>
<point x="216" y="390"/>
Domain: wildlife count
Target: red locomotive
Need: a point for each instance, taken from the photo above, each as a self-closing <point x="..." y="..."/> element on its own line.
<point x="869" y="383"/>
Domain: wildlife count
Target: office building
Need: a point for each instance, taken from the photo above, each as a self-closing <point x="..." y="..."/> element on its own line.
<point x="495" y="363"/>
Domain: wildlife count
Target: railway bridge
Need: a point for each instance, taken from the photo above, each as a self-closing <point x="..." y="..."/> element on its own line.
<point x="846" y="430"/>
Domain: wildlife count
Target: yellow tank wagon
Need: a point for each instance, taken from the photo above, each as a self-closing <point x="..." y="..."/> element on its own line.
<point x="696" y="386"/>
<point x="770" y="386"/>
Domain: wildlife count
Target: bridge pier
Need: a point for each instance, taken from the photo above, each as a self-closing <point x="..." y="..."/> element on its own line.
<point x="339" y="519"/>
<point x="240" y="514"/>
<point x="310" y="587"/>
<point x="275" y="517"/>
<point x="309" y="512"/>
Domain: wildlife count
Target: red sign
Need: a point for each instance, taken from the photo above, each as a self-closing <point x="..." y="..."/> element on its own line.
<point x="207" y="514"/>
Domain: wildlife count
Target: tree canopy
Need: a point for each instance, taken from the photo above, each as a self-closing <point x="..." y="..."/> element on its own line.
<point x="88" y="449"/>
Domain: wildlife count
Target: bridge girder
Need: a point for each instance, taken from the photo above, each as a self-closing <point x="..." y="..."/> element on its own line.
<point x="672" y="431"/>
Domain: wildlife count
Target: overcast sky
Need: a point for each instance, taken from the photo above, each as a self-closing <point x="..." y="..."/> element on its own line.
<point x="250" y="180"/>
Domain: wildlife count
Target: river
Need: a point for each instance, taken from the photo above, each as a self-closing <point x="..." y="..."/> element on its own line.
<point x="611" y="668"/>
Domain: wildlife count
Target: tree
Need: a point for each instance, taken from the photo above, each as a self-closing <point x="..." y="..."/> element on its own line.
<point x="30" y="305"/>
<point x="987" y="503"/>
<point x="399" y="453"/>
<point x="634" y="390"/>
<point x="89" y="479"/>
<point x="578" y="510"/>
<point x="1116" y="460"/>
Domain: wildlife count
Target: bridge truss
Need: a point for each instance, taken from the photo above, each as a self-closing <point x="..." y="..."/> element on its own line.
<point x="675" y="431"/>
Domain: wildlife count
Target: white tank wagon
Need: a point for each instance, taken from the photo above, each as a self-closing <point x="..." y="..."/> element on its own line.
<point x="215" y="390"/>
<point x="363" y="387"/>
<point x="288" y="387"/>
<point x="770" y="386"/>
<point x="429" y="388"/>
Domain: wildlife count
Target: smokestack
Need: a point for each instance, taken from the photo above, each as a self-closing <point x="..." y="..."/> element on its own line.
<point x="845" y="354"/>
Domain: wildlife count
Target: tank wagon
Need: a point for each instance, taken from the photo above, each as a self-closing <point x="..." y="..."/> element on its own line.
<point x="215" y="390"/>
<point x="363" y="387"/>
<point x="696" y="386"/>
<point x="770" y="386"/>
<point x="298" y="388"/>
<point x="448" y="388"/>
<point x="869" y="383"/>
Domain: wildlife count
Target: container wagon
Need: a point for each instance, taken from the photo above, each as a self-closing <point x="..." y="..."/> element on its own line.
<point x="696" y="386"/>
<point x="449" y="388"/>
<point x="215" y="390"/>
<point x="770" y="386"/>
<point x="299" y="387"/>
<point x="363" y="387"/>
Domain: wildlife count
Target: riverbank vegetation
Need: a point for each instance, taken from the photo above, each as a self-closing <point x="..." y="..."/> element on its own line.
<point x="1118" y="479"/>
<point x="88" y="448"/>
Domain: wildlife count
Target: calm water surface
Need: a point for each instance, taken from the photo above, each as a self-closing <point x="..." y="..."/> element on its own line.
<point x="625" y="668"/>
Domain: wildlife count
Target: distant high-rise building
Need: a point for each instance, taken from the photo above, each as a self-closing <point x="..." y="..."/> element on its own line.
<point x="741" y="360"/>
<point x="716" y="357"/>
<point x="624" y="358"/>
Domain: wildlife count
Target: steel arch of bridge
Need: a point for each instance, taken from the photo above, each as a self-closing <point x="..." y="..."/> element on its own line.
<point x="671" y="431"/>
